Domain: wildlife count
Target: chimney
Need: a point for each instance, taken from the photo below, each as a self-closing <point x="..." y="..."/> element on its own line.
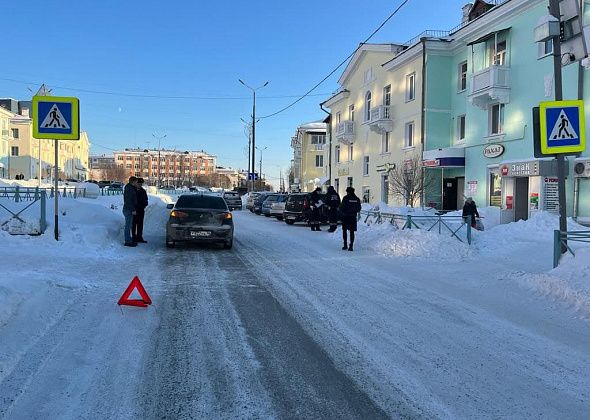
<point x="466" y="9"/>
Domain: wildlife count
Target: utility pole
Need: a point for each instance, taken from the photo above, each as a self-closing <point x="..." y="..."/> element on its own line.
<point x="159" y="138"/>
<point x="260" y="173"/>
<point x="555" y="12"/>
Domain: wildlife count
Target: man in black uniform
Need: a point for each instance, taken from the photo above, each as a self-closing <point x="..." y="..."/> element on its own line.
<point x="332" y="202"/>
<point x="315" y="204"/>
<point x="470" y="209"/>
<point x="142" y="203"/>
<point x="349" y="209"/>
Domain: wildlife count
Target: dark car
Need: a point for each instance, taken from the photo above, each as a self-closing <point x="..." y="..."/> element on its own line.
<point x="233" y="200"/>
<point x="270" y="200"/>
<point x="297" y="209"/>
<point x="201" y="218"/>
<point x="257" y="206"/>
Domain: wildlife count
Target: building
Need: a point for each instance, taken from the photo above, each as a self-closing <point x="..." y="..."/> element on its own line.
<point x="175" y="168"/>
<point x="5" y="117"/>
<point x="102" y="168"/>
<point x="236" y="177"/>
<point x="309" y="156"/>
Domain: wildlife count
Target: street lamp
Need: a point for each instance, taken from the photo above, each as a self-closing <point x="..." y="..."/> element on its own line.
<point x="253" y="123"/>
<point x="260" y="174"/>
<point x="159" y="138"/>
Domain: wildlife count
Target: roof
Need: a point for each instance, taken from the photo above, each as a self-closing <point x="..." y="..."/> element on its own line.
<point x="314" y="125"/>
<point x="360" y="53"/>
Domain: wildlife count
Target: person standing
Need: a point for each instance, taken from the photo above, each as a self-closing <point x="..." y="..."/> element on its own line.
<point x="315" y="204"/>
<point x="129" y="209"/>
<point x="142" y="203"/>
<point x="332" y="202"/>
<point x="470" y="209"/>
<point x="349" y="209"/>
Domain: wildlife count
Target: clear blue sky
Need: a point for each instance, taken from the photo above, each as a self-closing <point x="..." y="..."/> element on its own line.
<point x="197" y="48"/>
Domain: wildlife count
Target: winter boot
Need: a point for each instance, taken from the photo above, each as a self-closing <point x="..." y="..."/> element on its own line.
<point x="350" y="247"/>
<point x="313" y="228"/>
<point x="345" y="247"/>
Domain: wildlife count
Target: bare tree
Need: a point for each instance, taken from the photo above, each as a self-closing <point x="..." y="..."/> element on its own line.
<point x="114" y="172"/>
<point x="220" y="181"/>
<point x="409" y="181"/>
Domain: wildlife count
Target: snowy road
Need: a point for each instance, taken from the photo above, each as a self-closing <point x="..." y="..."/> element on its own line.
<point x="286" y="325"/>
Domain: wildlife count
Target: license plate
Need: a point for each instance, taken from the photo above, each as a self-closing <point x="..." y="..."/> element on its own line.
<point x="201" y="233"/>
<point x="290" y="217"/>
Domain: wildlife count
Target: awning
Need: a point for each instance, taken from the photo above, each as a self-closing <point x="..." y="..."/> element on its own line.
<point x="324" y="180"/>
<point x="1" y="165"/>
<point x="487" y="36"/>
<point x="450" y="157"/>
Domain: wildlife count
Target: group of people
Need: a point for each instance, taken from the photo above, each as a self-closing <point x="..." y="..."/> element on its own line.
<point x="135" y="200"/>
<point x="346" y="210"/>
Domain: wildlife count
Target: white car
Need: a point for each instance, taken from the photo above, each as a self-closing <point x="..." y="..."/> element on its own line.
<point x="277" y="209"/>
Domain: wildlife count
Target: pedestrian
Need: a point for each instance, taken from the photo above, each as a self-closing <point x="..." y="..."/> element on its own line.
<point x="332" y="202"/>
<point x="315" y="204"/>
<point x="129" y="209"/>
<point x="142" y="203"/>
<point x="349" y="209"/>
<point x="470" y="209"/>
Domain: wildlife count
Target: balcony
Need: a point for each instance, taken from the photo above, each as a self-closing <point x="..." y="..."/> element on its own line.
<point x="490" y="85"/>
<point x="381" y="119"/>
<point x="317" y="147"/>
<point x="345" y="132"/>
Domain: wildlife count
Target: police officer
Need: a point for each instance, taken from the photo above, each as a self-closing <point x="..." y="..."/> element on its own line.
<point x="315" y="204"/>
<point x="142" y="203"/>
<point x="332" y="202"/>
<point x="349" y="209"/>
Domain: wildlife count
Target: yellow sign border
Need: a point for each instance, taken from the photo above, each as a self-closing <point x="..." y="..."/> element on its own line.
<point x="545" y="148"/>
<point x="75" y="132"/>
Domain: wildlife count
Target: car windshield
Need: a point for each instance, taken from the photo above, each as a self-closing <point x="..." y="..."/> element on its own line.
<point x="231" y="195"/>
<point x="298" y="199"/>
<point x="201" y="202"/>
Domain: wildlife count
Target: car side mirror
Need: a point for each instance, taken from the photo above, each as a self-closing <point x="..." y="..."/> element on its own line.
<point x="169" y="206"/>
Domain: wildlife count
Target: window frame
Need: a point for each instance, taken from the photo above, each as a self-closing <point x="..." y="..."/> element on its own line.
<point x="319" y="159"/>
<point x="387" y="95"/>
<point x="462" y="77"/>
<point x="385" y="143"/>
<point x="13" y="131"/>
<point x="411" y="87"/>
<point x="461" y="127"/>
<point x="368" y="99"/>
<point x="13" y="149"/>
<point x="351" y="112"/>
<point x="350" y="152"/>
<point x="337" y="153"/>
<point x="366" y="165"/>
<point x="409" y="140"/>
<point x="500" y="116"/>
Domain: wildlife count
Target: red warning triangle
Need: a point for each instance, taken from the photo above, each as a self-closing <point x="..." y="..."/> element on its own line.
<point x="135" y="284"/>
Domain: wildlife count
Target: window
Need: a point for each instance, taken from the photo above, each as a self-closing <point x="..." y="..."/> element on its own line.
<point x="497" y="53"/>
<point x="461" y="128"/>
<point x="318" y="139"/>
<point x="385" y="189"/>
<point x="129" y="158"/>
<point x="14" y="133"/>
<point x="119" y="157"/>
<point x="319" y="161"/>
<point x="462" y="76"/>
<point x="385" y="142"/>
<point x="337" y="185"/>
<point x="350" y="151"/>
<point x="349" y="181"/>
<point x="387" y="95"/>
<point x="351" y="113"/>
<point x="496" y="119"/>
<point x="14" y="151"/>
<point x="128" y="166"/>
<point x="368" y="106"/>
<point x="136" y="166"/>
<point x="337" y="153"/>
<point x="545" y="48"/>
<point x="409" y="140"/>
<point x="366" y="194"/>
<point x="411" y="87"/>
<point x="366" y="165"/>
<point x="338" y="118"/>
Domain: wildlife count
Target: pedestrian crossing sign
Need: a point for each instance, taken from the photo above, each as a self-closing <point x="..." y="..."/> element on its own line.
<point x="562" y="127"/>
<point x="56" y="118"/>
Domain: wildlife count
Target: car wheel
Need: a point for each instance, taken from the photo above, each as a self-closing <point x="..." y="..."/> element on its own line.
<point x="279" y="217"/>
<point x="228" y="245"/>
<point x="267" y="215"/>
<point x="289" y="222"/>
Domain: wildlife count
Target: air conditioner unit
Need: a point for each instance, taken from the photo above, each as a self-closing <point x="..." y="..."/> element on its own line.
<point x="582" y="169"/>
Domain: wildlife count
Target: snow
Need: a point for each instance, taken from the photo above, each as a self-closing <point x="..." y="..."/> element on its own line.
<point x="416" y="319"/>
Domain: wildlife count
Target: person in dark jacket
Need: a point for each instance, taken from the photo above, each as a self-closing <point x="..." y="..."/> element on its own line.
<point x="470" y="209"/>
<point x="349" y="209"/>
<point x="315" y="205"/>
<point x="129" y="209"/>
<point x="332" y="202"/>
<point x="142" y="203"/>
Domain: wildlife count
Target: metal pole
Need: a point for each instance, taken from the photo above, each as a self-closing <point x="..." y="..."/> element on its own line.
<point x="39" y="172"/>
<point x="56" y="195"/>
<point x="554" y="10"/>
<point x="260" y="174"/>
<point x="253" y="135"/>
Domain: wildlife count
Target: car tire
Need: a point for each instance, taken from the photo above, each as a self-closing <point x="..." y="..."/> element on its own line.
<point x="267" y="215"/>
<point x="289" y="222"/>
<point x="228" y="245"/>
<point x="279" y="217"/>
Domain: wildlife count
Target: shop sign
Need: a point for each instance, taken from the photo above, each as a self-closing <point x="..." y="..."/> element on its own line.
<point x="551" y="195"/>
<point x="509" y="202"/>
<point x="431" y="163"/>
<point x="472" y="188"/>
<point x="504" y="170"/>
<point x="534" y="201"/>
<point x="343" y="171"/>
<point x="520" y="169"/>
<point x="493" y="150"/>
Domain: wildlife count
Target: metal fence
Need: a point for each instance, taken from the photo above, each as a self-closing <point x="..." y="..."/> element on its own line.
<point x="562" y="239"/>
<point x="454" y="226"/>
<point x="109" y="191"/>
<point x="28" y="196"/>
<point x="19" y="193"/>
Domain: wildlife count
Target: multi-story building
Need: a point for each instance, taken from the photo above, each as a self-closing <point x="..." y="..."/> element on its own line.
<point x="5" y="116"/>
<point x="175" y="168"/>
<point x="101" y="168"/>
<point x="309" y="156"/>
<point x="235" y="176"/>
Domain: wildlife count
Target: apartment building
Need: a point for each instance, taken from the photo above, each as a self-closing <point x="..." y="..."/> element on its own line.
<point x="174" y="167"/>
<point x="309" y="156"/>
<point x="5" y="116"/>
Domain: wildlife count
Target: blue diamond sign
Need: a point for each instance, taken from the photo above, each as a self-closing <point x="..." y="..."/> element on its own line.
<point x="562" y="127"/>
<point x="56" y="118"/>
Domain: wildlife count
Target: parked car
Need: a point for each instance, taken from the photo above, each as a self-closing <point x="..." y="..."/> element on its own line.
<point x="201" y="218"/>
<point x="257" y="206"/>
<point x="278" y="207"/>
<point x="116" y="186"/>
<point x="251" y="198"/>
<point x="297" y="209"/>
<point x="103" y="184"/>
<point x="233" y="200"/>
<point x="269" y="201"/>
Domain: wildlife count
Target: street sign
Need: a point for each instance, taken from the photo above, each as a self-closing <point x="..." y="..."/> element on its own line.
<point x="56" y="118"/>
<point x="562" y="127"/>
<point x="252" y="176"/>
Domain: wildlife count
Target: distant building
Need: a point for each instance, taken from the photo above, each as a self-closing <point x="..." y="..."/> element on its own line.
<point x="100" y="165"/>
<point x="235" y="176"/>
<point x="309" y="156"/>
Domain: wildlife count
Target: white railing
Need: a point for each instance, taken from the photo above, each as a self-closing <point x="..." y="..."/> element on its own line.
<point x="491" y="77"/>
<point x="380" y="112"/>
<point x="317" y="147"/>
<point x="345" y="128"/>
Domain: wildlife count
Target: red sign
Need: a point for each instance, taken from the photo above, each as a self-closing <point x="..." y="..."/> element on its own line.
<point x="430" y="163"/>
<point x="509" y="201"/>
<point x="135" y="284"/>
<point x="504" y="170"/>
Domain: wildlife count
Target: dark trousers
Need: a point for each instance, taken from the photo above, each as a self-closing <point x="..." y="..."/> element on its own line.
<point x="137" y="229"/>
<point x="344" y="235"/>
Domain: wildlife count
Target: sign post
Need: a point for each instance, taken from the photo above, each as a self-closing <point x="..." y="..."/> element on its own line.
<point x="56" y="118"/>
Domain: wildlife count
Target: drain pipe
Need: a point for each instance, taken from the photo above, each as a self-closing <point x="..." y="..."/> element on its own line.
<point x="329" y="130"/>
<point x="422" y="119"/>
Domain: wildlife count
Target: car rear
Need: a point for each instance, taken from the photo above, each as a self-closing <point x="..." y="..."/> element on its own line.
<point x="251" y="198"/>
<point x="233" y="200"/>
<point x="257" y="206"/>
<point x="296" y="207"/>
<point x="268" y="202"/>
<point x="200" y="218"/>
<point x="278" y="207"/>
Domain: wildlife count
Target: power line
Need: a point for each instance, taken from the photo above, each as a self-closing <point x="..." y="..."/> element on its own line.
<point x="308" y="93"/>
<point x="138" y="95"/>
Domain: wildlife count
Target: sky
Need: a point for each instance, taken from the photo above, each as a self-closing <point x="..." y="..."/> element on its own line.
<point x="111" y="54"/>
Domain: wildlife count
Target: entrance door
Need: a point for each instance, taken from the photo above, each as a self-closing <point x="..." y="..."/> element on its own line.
<point x="521" y="199"/>
<point x="450" y="194"/>
<point x="385" y="189"/>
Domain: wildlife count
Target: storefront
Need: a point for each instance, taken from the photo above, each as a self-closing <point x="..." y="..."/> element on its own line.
<point x="582" y="190"/>
<point x="521" y="188"/>
<point x="445" y="178"/>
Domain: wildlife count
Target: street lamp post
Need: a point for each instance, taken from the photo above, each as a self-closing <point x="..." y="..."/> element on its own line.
<point x="253" y="124"/>
<point x="159" y="138"/>
<point x="260" y="174"/>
